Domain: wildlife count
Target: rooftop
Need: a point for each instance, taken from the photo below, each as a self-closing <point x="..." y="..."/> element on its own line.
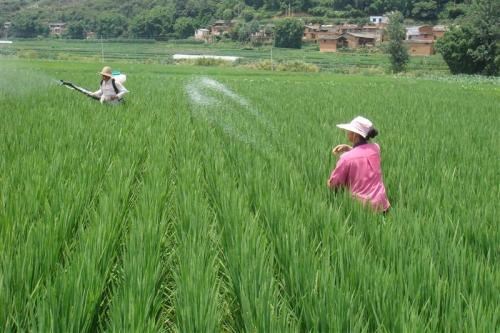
<point x="362" y="35"/>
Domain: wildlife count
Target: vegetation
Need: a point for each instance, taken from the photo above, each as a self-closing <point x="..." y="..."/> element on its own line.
<point x="396" y="48"/>
<point x="148" y="51"/>
<point x="472" y="47"/>
<point x="288" y="33"/>
<point x="156" y="19"/>
<point x="200" y="205"/>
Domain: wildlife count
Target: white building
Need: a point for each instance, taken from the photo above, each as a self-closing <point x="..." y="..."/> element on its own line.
<point x="379" y="19"/>
<point x="202" y="34"/>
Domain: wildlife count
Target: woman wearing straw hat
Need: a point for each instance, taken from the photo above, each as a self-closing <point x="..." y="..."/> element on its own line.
<point x="111" y="90"/>
<point x="358" y="167"/>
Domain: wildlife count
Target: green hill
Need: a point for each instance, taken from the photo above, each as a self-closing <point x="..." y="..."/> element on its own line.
<point x="178" y="18"/>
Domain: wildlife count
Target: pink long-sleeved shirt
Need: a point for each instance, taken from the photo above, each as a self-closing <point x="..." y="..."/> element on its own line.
<point x="359" y="171"/>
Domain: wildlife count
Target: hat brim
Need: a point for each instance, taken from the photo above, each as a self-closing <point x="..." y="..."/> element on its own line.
<point x="350" y="128"/>
<point x="106" y="74"/>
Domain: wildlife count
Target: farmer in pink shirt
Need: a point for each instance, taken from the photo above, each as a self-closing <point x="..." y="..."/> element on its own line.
<point x="358" y="167"/>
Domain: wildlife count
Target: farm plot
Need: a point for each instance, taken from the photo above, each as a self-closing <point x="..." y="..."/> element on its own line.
<point x="200" y="204"/>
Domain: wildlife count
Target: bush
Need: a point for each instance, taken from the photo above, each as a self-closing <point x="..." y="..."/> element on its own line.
<point x="28" y="54"/>
<point x="472" y="47"/>
<point x="289" y="66"/>
<point x="464" y="52"/>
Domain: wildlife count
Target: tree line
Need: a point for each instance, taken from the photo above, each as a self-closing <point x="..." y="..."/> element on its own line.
<point x="178" y="18"/>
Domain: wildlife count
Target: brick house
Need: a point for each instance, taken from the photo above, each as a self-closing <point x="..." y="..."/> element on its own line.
<point x="422" y="32"/>
<point x="331" y="43"/>
<point x="438" y="31"/>
<point x="352" y="40"/>
<point x="312" y="32"/>
<point x="420" y="47"/>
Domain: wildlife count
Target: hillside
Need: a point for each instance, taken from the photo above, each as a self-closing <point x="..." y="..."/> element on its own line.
<point x="177" y="18"/>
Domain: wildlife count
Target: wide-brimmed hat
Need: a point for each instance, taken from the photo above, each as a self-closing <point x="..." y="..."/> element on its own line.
<point x="359" y="125"/>
<point x="106" y="71"/>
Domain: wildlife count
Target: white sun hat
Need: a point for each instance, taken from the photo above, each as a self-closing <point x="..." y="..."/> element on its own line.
<point x="359" y="125"/>
<point x="106" y="71"/>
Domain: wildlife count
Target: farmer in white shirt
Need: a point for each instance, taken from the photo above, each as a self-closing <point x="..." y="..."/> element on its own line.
<point x="111" y="90"/>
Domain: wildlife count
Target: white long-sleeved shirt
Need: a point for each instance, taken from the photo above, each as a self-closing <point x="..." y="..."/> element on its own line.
<point x="106" y="91"/>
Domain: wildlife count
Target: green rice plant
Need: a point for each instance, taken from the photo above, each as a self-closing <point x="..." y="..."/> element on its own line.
<point x="197" y="304"/>
<point x="137" y="301"/>
<point x="247" y="256"/>
<point x="200" y="204"/>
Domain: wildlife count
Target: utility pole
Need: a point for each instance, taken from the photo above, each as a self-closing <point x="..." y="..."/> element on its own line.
<point x="272" y="45"/>
<point x="102" y="51"/>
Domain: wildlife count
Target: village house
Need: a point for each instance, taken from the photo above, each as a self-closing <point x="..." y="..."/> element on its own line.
<point x="438" y="31"/>
<point x="379" y="19"/>
<point x="422" y="32"/>
<point x="6" y="28"/>
<point x="375" y="30"/>
<point x="420" y="47"/>
<point x="221" y="27"/>
<point x="352" y="40"/>
<point x="57" y="29"/>
<point x="361" y="39"/>
<point x="331" y="43"/>
<point x="264" y="35"/>
<point x="345" y="28"/>
<point x="202" y="34"/>
<point x="311" y="32"/>
<point x="90" y="35"/>
<point x="420" y="40"/>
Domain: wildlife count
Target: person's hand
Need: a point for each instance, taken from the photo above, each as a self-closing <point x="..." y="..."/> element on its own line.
<point x="340" y="149"/>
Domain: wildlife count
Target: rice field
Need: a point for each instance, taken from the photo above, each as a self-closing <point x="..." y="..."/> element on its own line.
<point x="161" y="53"/>
<point x="200" y="204"/>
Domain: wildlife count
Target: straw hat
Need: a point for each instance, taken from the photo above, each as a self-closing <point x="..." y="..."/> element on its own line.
<point x="106" y="71"/>
<point x="359" y="125"/>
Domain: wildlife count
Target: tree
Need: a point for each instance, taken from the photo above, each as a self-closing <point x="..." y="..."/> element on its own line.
<point x="184" y="27"/>
<point x="248" y="14"/>
<point x="75" y="30"/>
<point x="227" y="14"/>
<point x="398" y="54"/>
<point x="243" y="31"/>
<point x="111" y="25"/>
<point x="28" y="24"/>
<point x="152" y="23"/>
<point x="471" y="48"/>
<point x="425" y="10"/>
<point x="289" y="33"/>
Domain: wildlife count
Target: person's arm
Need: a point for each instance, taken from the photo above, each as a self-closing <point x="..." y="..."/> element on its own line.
<point x="338" y="178"/>
<point x="121" y="90"/>
<point x="340" y="149"/>
<point x="97" y="93"/>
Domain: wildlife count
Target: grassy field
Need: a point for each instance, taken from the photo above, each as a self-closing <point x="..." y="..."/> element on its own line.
<point x="161" y="53"/>
<point x="201" y="204"/>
